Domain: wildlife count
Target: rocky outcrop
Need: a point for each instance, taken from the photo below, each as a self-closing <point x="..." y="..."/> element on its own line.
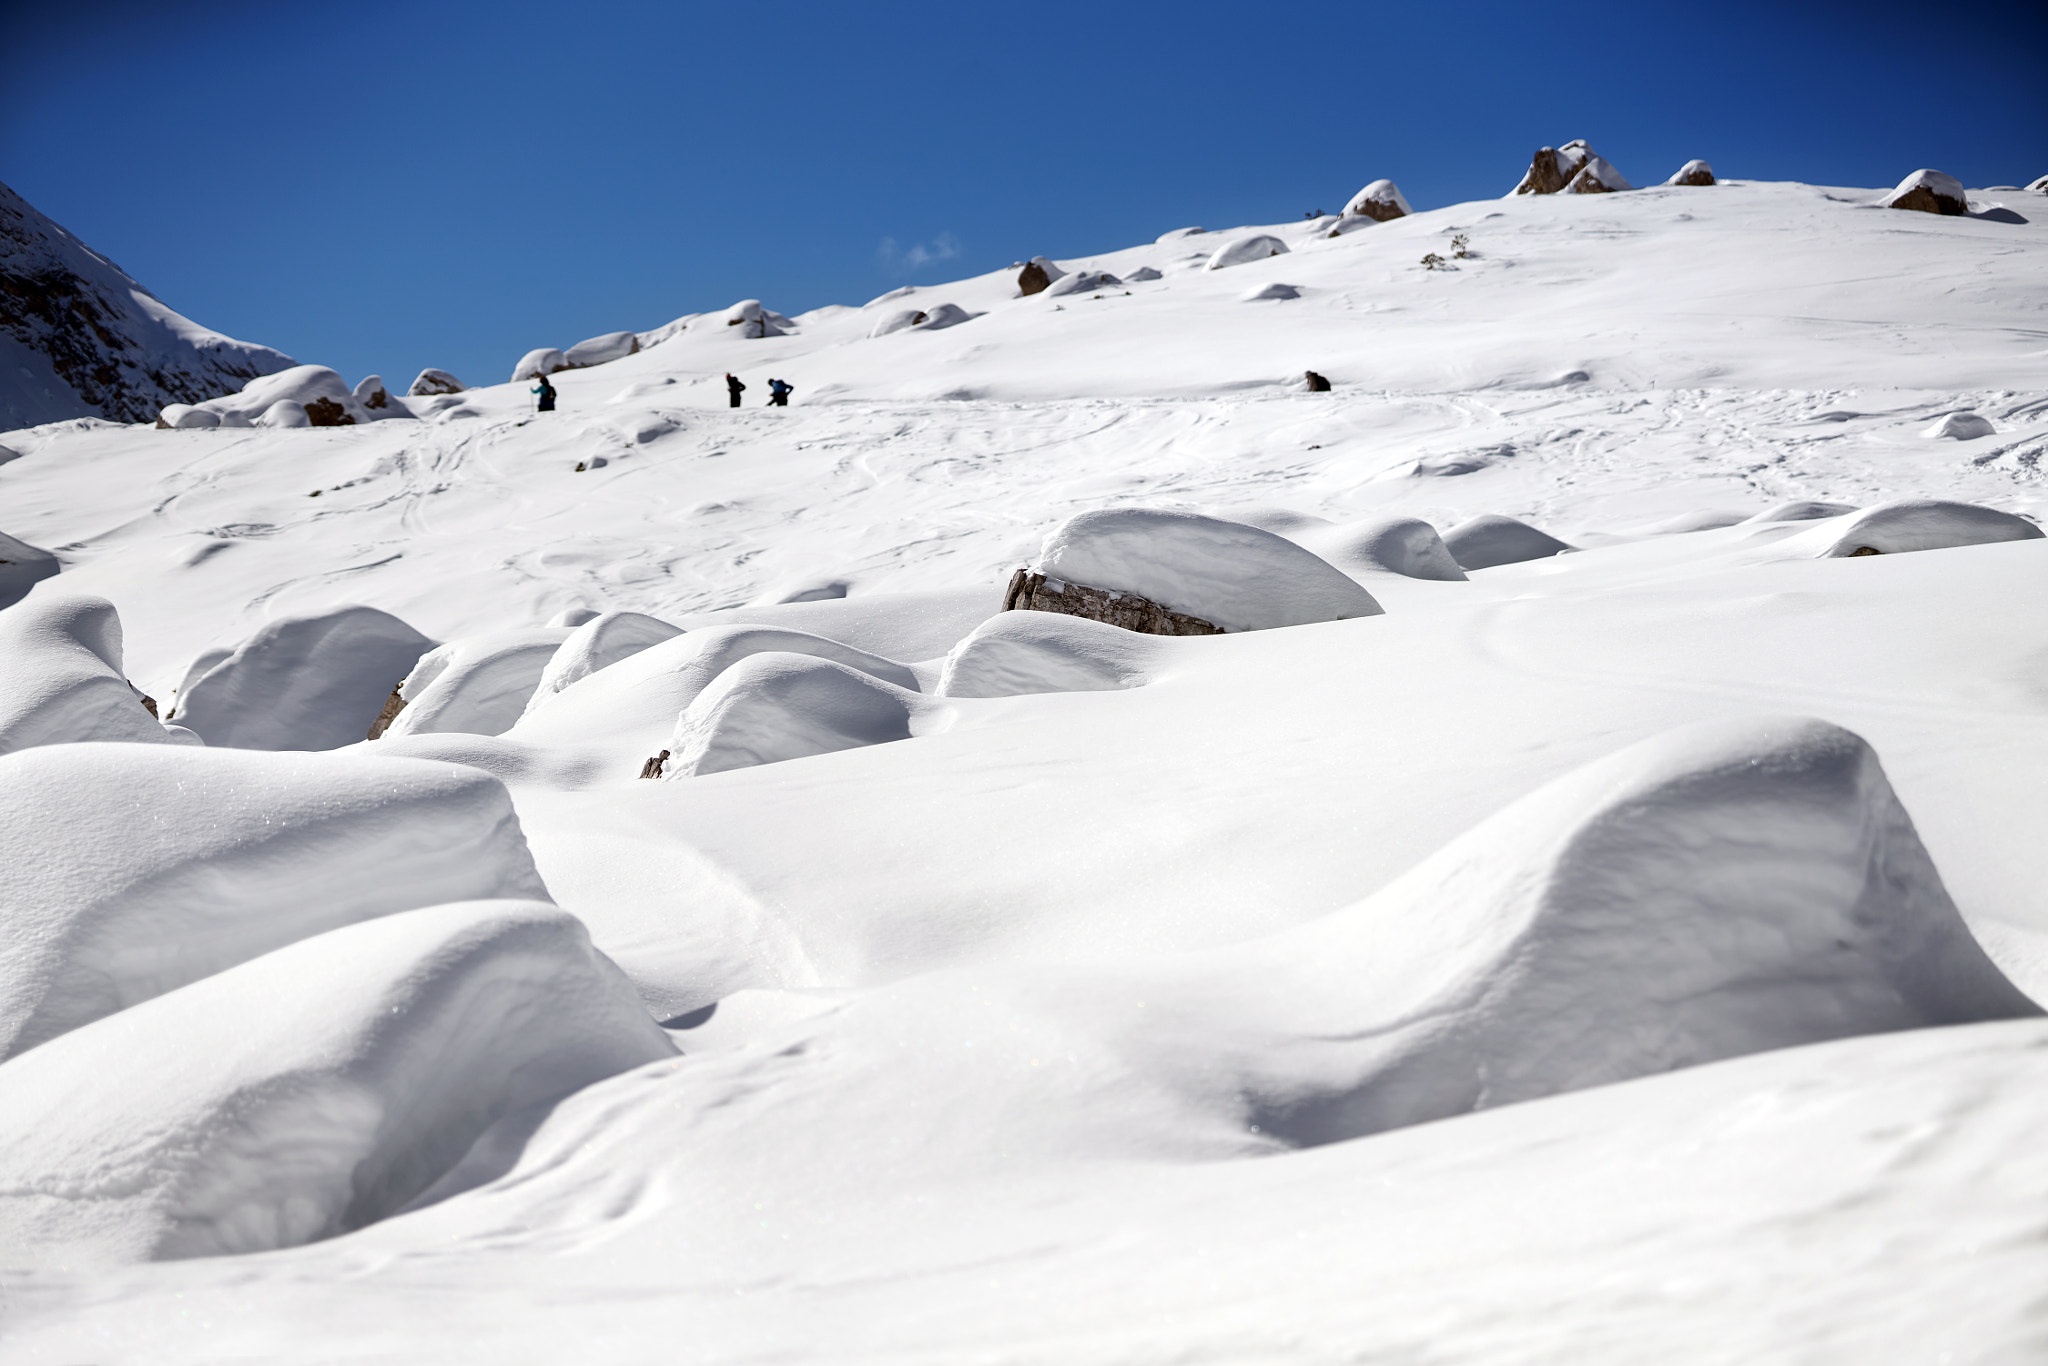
<point x="431" y="382"/>
<point x="1694" y="172"/>
<point x="1929" y="192"/>
<point x="1380" y="201"/>
<point x="1029" y="592"/>
<point x="1597" y="176"/>
<point x="372" y="394"/>
<point x="1552" y="169"/>
<point x="2039" y="186"/>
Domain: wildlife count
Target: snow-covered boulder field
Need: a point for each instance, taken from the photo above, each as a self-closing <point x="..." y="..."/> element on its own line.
<point x="1166" y="809"/>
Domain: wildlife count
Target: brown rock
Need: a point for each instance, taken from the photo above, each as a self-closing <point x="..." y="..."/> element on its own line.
<point x="1863" y="550"/>
<point x="653" y="767"/>
<point x="325" y="412"/>
<point x="1029" y="592"/>
<point x="1032" y="279"/>
<point x="1316" y="383"/>
<point x="1694" y="172"/>
<point x="1543" y="175"/>
<point x="1924" y="200"/>
<point x="393" y="705"/>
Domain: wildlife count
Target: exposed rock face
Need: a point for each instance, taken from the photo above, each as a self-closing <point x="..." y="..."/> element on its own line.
<point x="1032" y="279"/>
<point x="435" y="382"/>
<point x="1380" y="201"/>
<point x="1029" y="592"/>
<point x="1597" y="176"/>
<point x="325" y="412"/>
<point x="1543" y="175"/>
<point x="1929" y="192"/>
<point x="79" y="338"/>
<point x="1694" y="172"/>
<point x="371" y="393"/>
<point x="1316" y="383"/>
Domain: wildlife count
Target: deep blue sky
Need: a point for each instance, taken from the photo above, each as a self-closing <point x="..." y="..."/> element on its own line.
<point x="381" y="186"/>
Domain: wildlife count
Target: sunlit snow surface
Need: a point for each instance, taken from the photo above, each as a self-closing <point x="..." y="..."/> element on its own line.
<point x="1623" y="955"/>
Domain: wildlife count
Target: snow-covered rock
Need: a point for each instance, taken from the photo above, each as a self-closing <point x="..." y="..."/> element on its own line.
<point x="754" y="321"/>
<point x="1799" y="510"/>
<point x="1929" y="191"/>
<point x="1235" y="576"/>
<point x="430" y="382"/>
<point x="316" y="393"/>
<point x="1142" y="275"/>
<point x="603" y="350"/>
<point x="1694" y="172"/>
<point x="311" y="1091"/>
<point x="1596" y="176"/>
<point x="1544" y="175"/>
<point x="774" y="706"/>
<point x="1387" y="544"/>
<point x="1256" y="247"/>
<point x="543" y="360"/>
<point x="1381" y="201"/>
<point x="1275" y="290"/>
<point x="475" y="685"/>
<point x="61" y="680"/>
<point x="22" y="567"/>
<point x="898" y="320"/>
<point x="1961" y="427"/>
<point x="376" y="400"/>
<point x="2038" y="186"/>
<point x="598" y="641"/>
<point x="1490" y="539"/>
<point x="183" y="417"/>
<point x="80" y="338"/>
<point x="1908" y="524"/>
<point x="1082" y="282"/>
<point x="131" y="870"/>
<point x="312" y="680"/>
<point x="284" y="413"/>
<point x="1015" y="653"/>
<point x="1037" y="275"/>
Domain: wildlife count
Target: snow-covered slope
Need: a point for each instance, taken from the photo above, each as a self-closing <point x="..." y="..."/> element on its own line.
<point x="1625" y="946"/>
<point x="79" y="338"/>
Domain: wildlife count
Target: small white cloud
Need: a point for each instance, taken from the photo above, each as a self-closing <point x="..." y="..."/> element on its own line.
<point x="898" y="261"/>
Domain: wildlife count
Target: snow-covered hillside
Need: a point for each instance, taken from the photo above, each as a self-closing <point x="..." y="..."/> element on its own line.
<point x="79" y="338"/>
<point x="1567" y="889"/>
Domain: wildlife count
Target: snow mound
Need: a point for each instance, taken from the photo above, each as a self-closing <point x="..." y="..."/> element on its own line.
<point x="1389" y="544"/>
<point x="1231" y="575"/>
<point x="1276" y="290"/>
<point x="1597" y="176"/>
<point x="1906" y="525"/>
<point x="1491" y="539"/>
<point x="285" y="413"/>
<point x="1694" y="172"/>
<point x="599" y="640"/>
<point x="930" y="319"/>
<point x="1254" y="248"/>
<point x="544" y="360"/>
<point x="309" y="395"/>
<point x="775" y="706"/>
<point x="313" y="680"/>
<point x="61" y="680"/>
<point x="130" y="870"/>
<point x="311" y="1091"/>
<point x="900" y="320"/>
<point x="1143" y="274"/>
<point x="754" y="321"/>
<point x="1961" y="427"/>
<point x="476" y="685"/>
<point x="431" y="382"/>
<point x="1380" y="201"/>
<point x="1552" y="168"/>
<point x="22" y="567"/>
<point x="602" y="350"/>
<point x="1929" y="192"/>
<point x="1799" y="510"/>
<point x="1082" y="282"/>
<point x="376" y="400"/>
<point x="184" y="417"/>
<point x="1013" y="653"/>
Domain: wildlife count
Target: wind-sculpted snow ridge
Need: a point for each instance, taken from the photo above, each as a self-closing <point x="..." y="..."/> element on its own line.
<point x="311" y="1091"/>
<point x="1908" y="524"/>
<point x="1231" y="575"/>
<point x="129" y="870"/>
<point x="61" y="679"/>
<point x="1015" y="653"/>
<point x="476" y="685"/>
<point x="598" y="643"/>
<point x="1490" y="540"/>
<point x="312" y="680"/>
<point x="1407" y="546"/>
<point x="772" y="706"/>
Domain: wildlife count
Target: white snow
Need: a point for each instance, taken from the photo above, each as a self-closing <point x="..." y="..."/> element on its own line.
<point x="542" y="360"/>
<point x="430" y="382"/>
<point x="1940" y="184"/>
<point x="598" y="641"/>
<point x="60" y="676"/>
<point x="1491" y="539"/>
<point x="1596" y="176"/>
<point x="602" y="350"/>
<point x="1257" y="247"/>
<point x="1962" y="427"/>
<point x="308" y="680"/>
<point x="478" y="685"/>
<point x="774" y="705"/>
<point x="1909" y="524"/>
<point x="1375" y="199"/>
<point x="1013" y="653"/>
<point x="22" y="567"/>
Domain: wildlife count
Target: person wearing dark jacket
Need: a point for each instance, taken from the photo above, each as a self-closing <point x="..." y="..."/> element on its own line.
<point x="778" y="393"/>
<point x="733" y="387"/>
<point x="547" y="394"/>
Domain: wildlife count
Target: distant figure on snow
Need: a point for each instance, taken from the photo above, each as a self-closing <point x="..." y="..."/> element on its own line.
<point x="1316" y="383"/>
<point x="547" y="394"/>
<point x="778" y="394"/>
<point x="733" y="387"/>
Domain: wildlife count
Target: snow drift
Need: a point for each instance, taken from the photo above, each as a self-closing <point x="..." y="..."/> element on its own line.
<point x="1407" y="546"/>
<point x="129" y="870"/>
<point x="1491" y="539"/>
<point x="476" y="685"/>
<point x="773" y="706"/>
<point x="61" y="680"/>
<point x="599" y="641"/>
<point x="1906" y="525"/>
<point x="1014" y="653"/>
<point x="1257" y="247"/>
<point x="312" y="680"/>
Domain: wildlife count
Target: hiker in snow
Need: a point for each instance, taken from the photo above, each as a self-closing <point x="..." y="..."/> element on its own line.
<point x="733" y="387"/>
<point x="547" y="394"/>
<point x="778" y="394"/>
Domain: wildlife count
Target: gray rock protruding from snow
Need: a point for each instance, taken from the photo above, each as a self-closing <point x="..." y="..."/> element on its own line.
<point x="1962" y="427"/>
<point x="1929" y="191"/>
<point x="603" y="350"/>
<point x="476" y="685"/>
<point x="1694" y="172"/>
<point x="61" y="680"/>
<point x="772" y="707"/>
<point x="1015" y="653"/>
<point x="80" y="338"/>
<point x="1906" y="525"/>
<point x="431" y="382"/>
<point x="1257" y="247"/>
<point x="1490" y="539"/>
<point x="1388" y="544"/>
<point x="598" y="642"/>
<point x="22" y="567"/>
<point x="131" y="870"/>
<point x="542" y="360"/>
<point x="1380" y="201"/>
<point x="1597" y="176"/>
<point x="313" y="680"/>
<point x="1234" y="576"/>
<point x="314" y="1090"/>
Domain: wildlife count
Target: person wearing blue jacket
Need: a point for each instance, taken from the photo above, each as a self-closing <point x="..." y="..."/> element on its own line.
<point x="547" y="394"/>
<point x="778" y="393"/>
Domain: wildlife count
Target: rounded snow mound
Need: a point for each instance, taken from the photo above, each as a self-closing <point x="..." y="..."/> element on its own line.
<point x="1491" y="539"/>
<point x="22" y="566"/>
<point x="1906" y="525"/>
<point x="311" y="1091"/>
<point x="129" y="870"/>
<point x="602" y="350"/>
<point x="1799" y="510"/>
<point x="1380" y="201"/>
<point x="303" y="396"/>
<point x="928" y="319"/>
<point x="184" y="417"/>
<point x="1234" y="576"/>
<point x="1142" y="274"/>
<point x="599" y="640"/>
<point x="314" y="680"/>
<point x="775" y="706"/>
<point x="1961" y="427"/>
<point x="61" y="679"/>
<point x="1694" y="172"/>
<point x="1407" y="546"/>
<point x="431" y="382"/>
<point x="542" y="360"/>
<point x="1254" y="248"/>
<point x="1014" y="653"/>
<point x="1276" y="290"/>
<point x="1082" y="282"/>
<point x="476" y="685"/>
<point x="1929" y="191"/>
